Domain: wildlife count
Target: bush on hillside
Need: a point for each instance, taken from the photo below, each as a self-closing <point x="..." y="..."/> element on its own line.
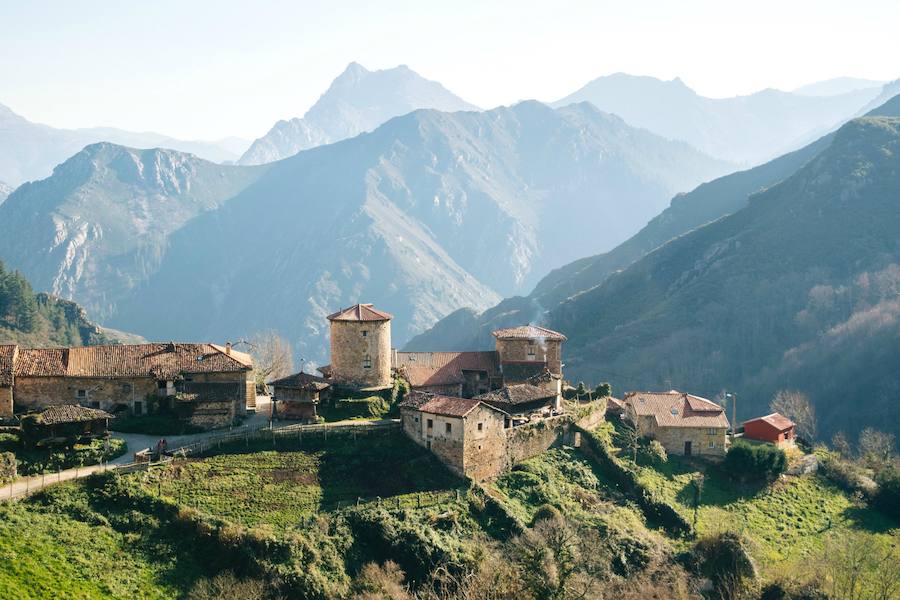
<point x="887" y="498"/>
<point x="725" y="559"/>
<point x="603" y="390"/>
<point x="846" y="476"/>
<point x="754" y="462"/>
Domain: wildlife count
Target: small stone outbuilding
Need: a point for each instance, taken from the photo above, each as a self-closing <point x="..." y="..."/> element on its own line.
<point x="684" y="424"/>
<point x="297" y="396"/>
<point x="63" y="424"/>
<point x="458" y="374"/>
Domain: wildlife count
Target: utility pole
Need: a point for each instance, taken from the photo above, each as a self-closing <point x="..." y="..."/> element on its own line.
<point x="733" y="397"/>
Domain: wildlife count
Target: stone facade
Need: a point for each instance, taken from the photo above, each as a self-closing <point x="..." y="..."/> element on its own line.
<point x="548" y="352"/>
<point x="296" y="404"/>
<point x="361" y="353"/>
<point x="6" y="402"/>
<point x="35" y="393"/>
<point x="704" y="441"/>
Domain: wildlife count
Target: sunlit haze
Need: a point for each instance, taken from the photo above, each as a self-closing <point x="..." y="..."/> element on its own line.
<point x="207" y="69"/>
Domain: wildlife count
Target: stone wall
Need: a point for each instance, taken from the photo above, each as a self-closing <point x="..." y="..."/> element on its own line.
<point x="673" y="439"/>
<point x="485" y="444"/>
<point x="212" y="415"/>
<point x="549" y="351"/>
<point x="6" y="402"/>
<point x="36" y="393"/>
<point x="351" y="343"/>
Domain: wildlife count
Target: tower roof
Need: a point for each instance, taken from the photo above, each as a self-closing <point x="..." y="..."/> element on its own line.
<point x="528" y="332"/>
<point x="360" y="312"/>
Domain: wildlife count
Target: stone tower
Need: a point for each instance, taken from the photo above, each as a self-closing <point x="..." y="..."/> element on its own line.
<point x="361" y="347"/>
<point x="528" y="351"/>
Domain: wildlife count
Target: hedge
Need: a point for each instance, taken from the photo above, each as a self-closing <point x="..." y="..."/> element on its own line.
<point x="654" y="509"/>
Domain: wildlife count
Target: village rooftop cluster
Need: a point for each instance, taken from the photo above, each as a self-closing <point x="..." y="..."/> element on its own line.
<point x="479" y="412"/>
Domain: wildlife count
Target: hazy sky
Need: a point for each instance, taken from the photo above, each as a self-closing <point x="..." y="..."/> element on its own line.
<point x="209" y="69"/>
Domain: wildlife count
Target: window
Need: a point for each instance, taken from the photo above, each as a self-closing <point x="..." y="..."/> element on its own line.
<point x="674" y="411"/>
<point x="365" y="333"/>
<point x="712" y="444"/>
<point x="430" y="423"/>
<point x="417" y="419"/>
<point x="367" y="362"/>
<point x="448" y="427"/>
<point x="711" y="431"/>
<point x="531" y="350"/>
<point x="95" y="404"/>
<point x="126" y="387"/>
<point x="162" y="384"/>
<point x="480" y="426"/>
<point x="81" y="394"/>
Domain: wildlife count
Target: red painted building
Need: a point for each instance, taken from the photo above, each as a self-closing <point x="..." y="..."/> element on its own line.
<point x="775" y="429"/>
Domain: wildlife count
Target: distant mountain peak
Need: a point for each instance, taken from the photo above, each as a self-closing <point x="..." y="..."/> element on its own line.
<point x="357" y="101"/>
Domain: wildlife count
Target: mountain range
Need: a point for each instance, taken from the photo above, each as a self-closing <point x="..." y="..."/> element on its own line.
<point x="430" y="212"/>
<point x="746" y="130"/>
<point x="796" y="288"/>
<point x="5" y="191"/>
<point x="29" y="151"/>
<point x="357" y="101"/>
<point x="837" y="86"/>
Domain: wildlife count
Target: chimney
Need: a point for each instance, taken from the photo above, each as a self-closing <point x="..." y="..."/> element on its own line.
<point x="228" y="348"/>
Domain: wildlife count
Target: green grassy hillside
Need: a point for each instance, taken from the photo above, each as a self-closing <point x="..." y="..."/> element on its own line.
<point x="306" y="518"/>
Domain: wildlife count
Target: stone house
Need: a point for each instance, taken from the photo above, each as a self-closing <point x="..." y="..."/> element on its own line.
<point x="774" y="429"/>
<point x="360" y="348"/>
<point x="466" y="434"/>
<point x="477" y="440"/>
<point x="684" y="424"/>
<point x="135" y="379"/>
<point x="297" y="396"/>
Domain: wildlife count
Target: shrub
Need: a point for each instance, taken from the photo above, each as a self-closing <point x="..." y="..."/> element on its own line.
<point x="757" y="462"/>
<point x="7" y="466"/>
<point x="726" y="561"/>
<point x="656" y="452"/>
<point x="603" y="390"/>
<point x="846" y="476"/>
<point x="888" y="495"/>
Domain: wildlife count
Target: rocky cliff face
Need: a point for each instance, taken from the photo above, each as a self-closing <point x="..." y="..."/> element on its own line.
<point x="100" y="224"/>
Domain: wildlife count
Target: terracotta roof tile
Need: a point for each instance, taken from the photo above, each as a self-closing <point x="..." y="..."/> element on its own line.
<point x="776" y="420"/>
<point x="163" y="361"/>
<point x="70" y="413"/>
<point x="424" y="369"/>
<point x="360" y="312"/>
<point x="677" y="409"/>
<point x="449" y="406"/>
<point x="511" y="396"/>
<point x="302" y="381"/>
<point x="528" y="332"/>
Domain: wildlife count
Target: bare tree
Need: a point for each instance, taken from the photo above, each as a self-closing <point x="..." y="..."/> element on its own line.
<point x="273" y="357"/>
<point x="797" y="407"/>
<point x="876" y="448"/>
<point x="840" y="444"/>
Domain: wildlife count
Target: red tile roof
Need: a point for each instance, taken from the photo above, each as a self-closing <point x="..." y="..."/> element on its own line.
<point x="528" y="332"/>
<point x="360" y="312"/>
<point x="677" y="409"/>
<point x="423" y="369"/>
<point x="776" y="420"/>
<point x="70" y="413"/>
<point x="449" y="406"/>
<point x="302" y="381"/>
<point x="8" y="354"/>
<point x="163" y="361"/>
<point x="511" y="396"/>
<point x="438" y="404"/>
